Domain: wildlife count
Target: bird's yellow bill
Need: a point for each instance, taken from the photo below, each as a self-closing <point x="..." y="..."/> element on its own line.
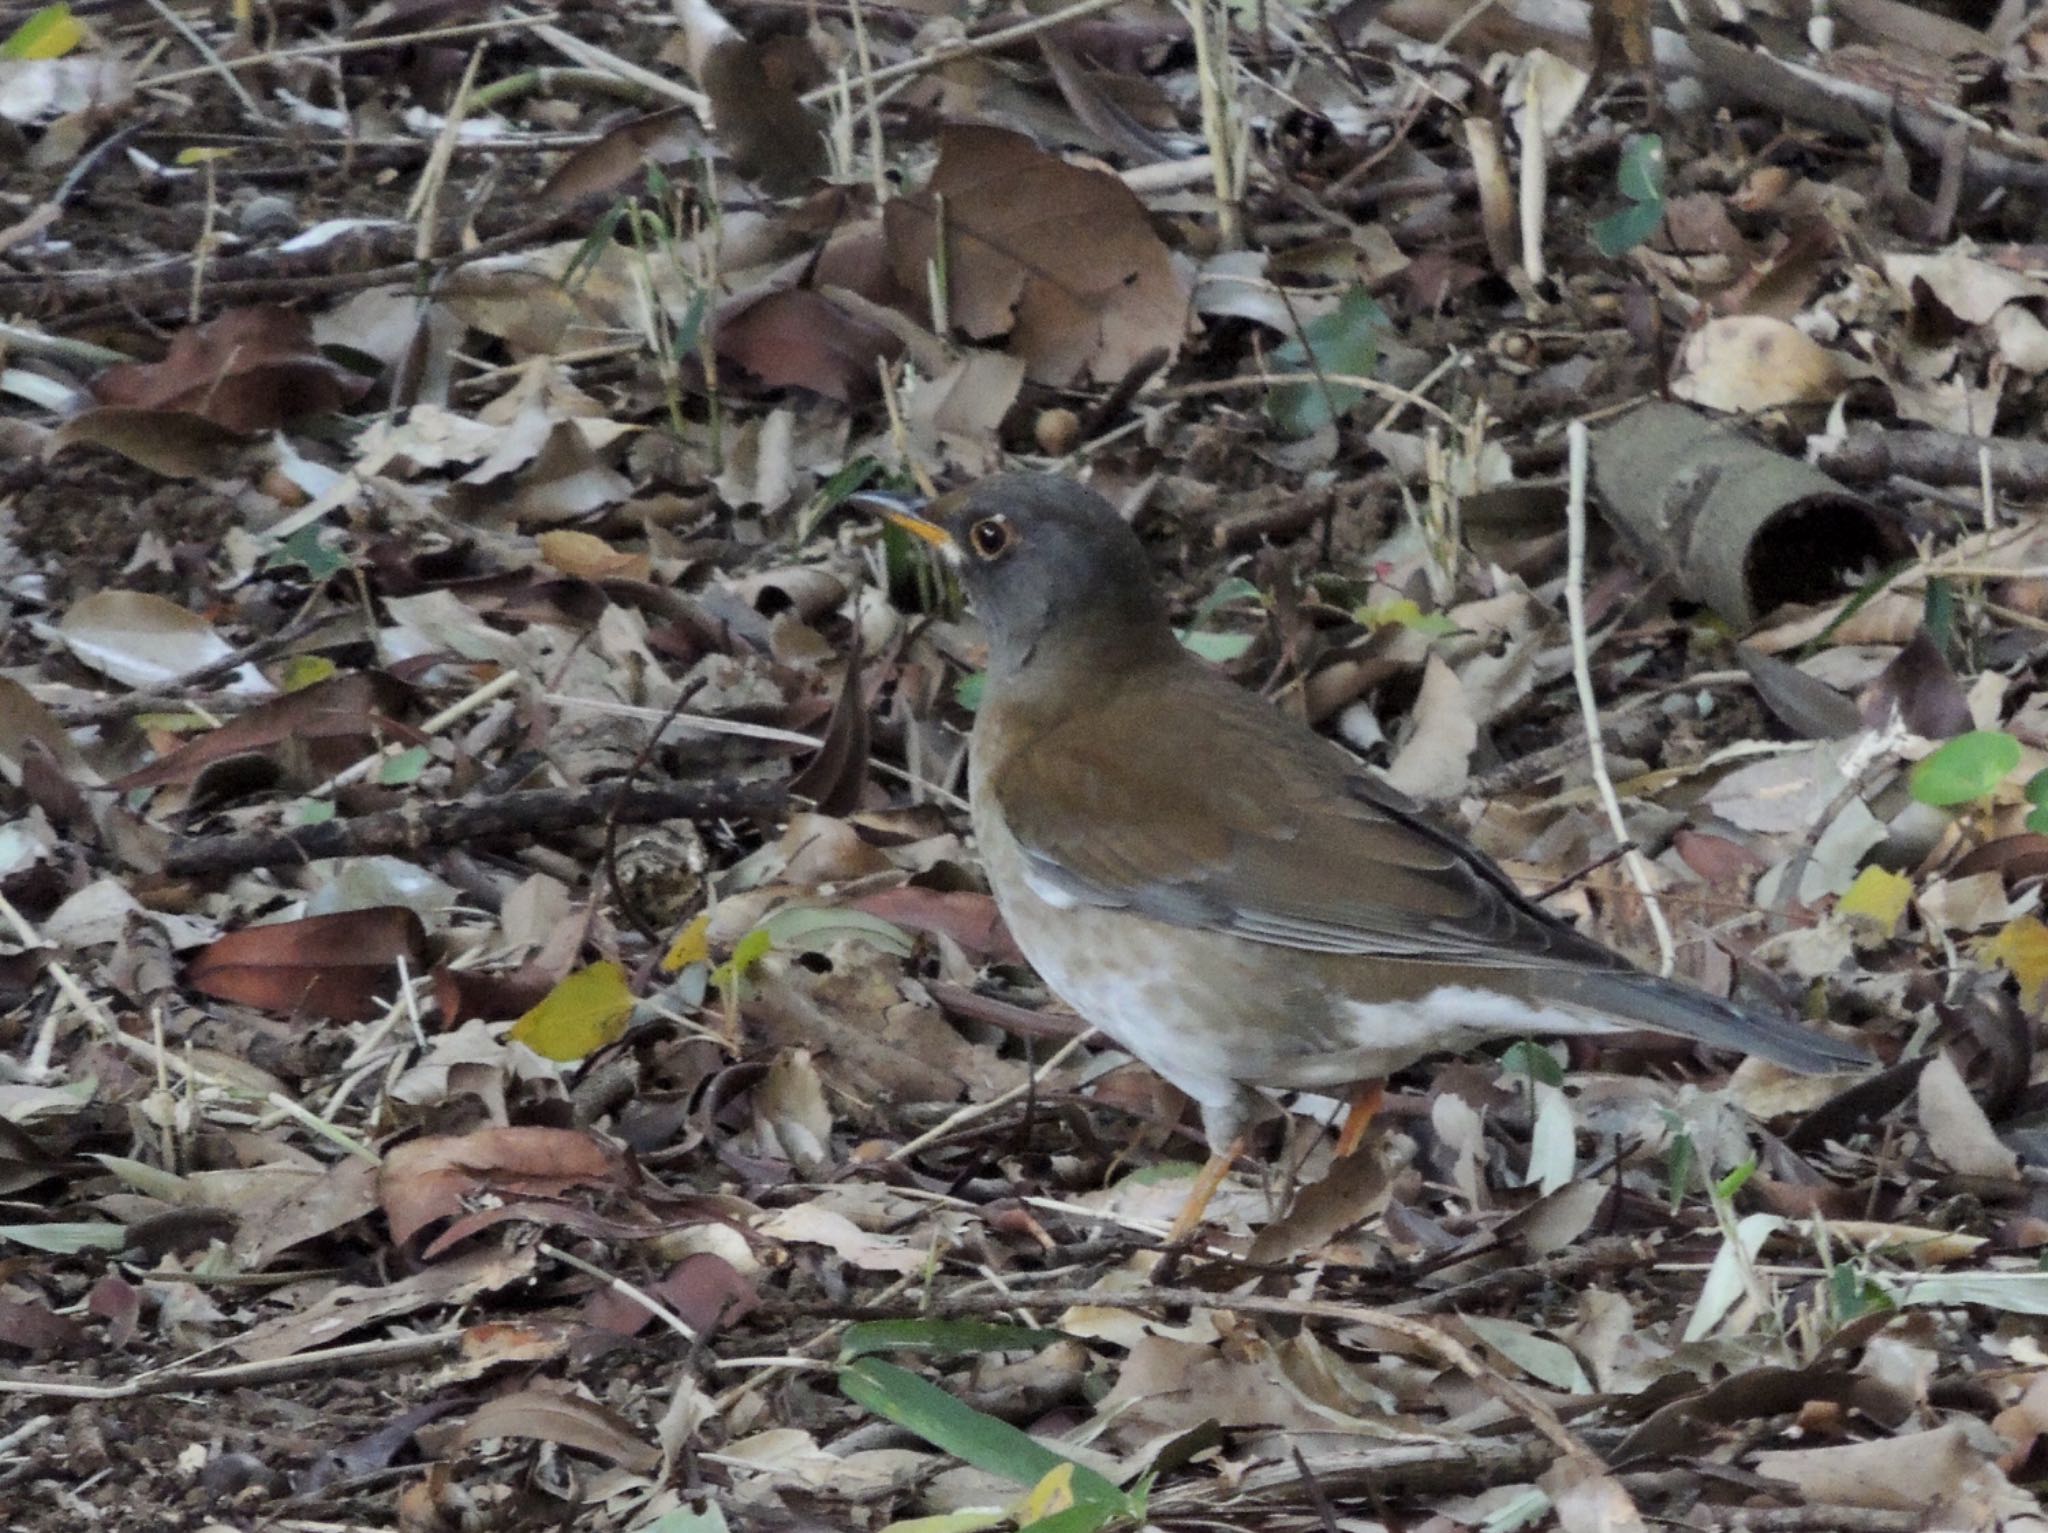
<point x="904" y="512"/>
<point x="918" y="526"/>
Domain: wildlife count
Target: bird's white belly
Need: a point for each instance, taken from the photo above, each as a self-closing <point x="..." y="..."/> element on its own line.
<point x="1217" y="1033"/>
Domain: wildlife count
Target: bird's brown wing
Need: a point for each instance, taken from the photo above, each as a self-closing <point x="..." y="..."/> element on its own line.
<point x="1198" y="804"/>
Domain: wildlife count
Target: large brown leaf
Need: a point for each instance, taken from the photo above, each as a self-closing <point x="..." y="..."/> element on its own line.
<point x="1060" y="258"/>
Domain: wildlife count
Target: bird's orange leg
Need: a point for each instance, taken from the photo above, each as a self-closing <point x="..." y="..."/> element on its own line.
<point x="1366" y="1100"/>
<point x="1206" y="1182"/>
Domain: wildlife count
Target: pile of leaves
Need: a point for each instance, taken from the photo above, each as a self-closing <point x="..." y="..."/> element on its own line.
<point x="501" y="1023"/>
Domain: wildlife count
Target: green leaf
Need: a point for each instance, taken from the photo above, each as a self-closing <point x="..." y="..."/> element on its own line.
<point x="940" y="1338"/>
<point x="1406" y="613"/>
<point x="1618" y="233"/>
<point x="1641" y="177"/>
<point x="1735" y="1180"/>
<point x="813" y="928"/>
<point x="969" y="690"/>
<point x="50" y="33"/>
<point x="1938" y="615"/>
<point x="314" y="811"/>
<point x="1345" y="341"/>
<point x="1534" y="1061"/>
<point x="67" y="1239"/>
<point x="1965" y="768"/>
<point x="405" y="767"/>
<point x="2037" y="822"/>
<point x="897" y="1395"/>
<point x="1678" y="1168"/>
<point x="1641" y="180"/>
<point x="730" y="976"/>
<point x="1216" y="648"/>
<point x="2037" y="790"/>
<point x="305" y="548"/>
<point x="1083" y="1518"/>
<point x="1234" y="589"/>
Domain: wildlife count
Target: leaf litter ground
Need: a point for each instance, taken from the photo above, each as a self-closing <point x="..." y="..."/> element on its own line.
<point x="502" y="1025"/>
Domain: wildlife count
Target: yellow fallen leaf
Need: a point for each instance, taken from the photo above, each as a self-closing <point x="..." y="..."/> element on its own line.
<point x="585" y="1011"/>
<point x="692" y="945"/>
<point x="1054" y="1493"/>
<point x="590" y="557"/>
<point x="2021" y="947"/>
<point x="1878" y="899"/>
<point x="302" y="671"/>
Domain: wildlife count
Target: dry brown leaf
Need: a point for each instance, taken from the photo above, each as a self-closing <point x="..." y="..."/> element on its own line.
<point x="556" y="1414"/>
<point x="794" y="337"/>
<point x="1060" y="258"/>
<point x="428" y="1179"/>
<point x="247" y="370"/>
<point x="337" y="966"/>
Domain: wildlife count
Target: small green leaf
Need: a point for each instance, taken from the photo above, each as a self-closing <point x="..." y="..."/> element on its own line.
<point x="1735" y="1180"/>
<point x="968" y="691"/>
<point x="1534" y="1061"/>
<point x="1345" y="342"/>
<point x="405" y="767"/>
<point x="49" y="33"/>
<point x="314" y="811"/>
<point x="940" y="1338"/>
<point x="1678" y="1168"/>
<point x="813" y="928"/>
<point x="1938" y="615"/>
<point x="1234" y="589"/>
<point x="897" y="1395"/>
<point x="730" y="977"/>
<point x="1641" y="180"/>
<point x="1965" y="768"/>
<point x="1083" y="1518"/>
<point x="66" y="1239"/>
<point x="2037" y="790"/>
<point x="1641" y="177"/>
<point x="1405" y="613"/>
<point x="1216" y="648"/>
<point x="306" y="549"/>
<point x="1618" y="233"/>
<point x="2037" y="821"/>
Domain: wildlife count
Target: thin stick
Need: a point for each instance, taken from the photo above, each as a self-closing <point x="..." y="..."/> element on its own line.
<point x="590" y="56"/>
<point x="987" y="43"/>
<point x="1266" y="380"/>
<point x="326" y="50"/>
<point x="975" y="1110"/>
<point x="1582" y="674"/>
<point x="215" y="65"/>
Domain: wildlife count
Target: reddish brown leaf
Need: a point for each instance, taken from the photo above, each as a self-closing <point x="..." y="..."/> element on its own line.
<point x="343" y="709"/>
<point x="552" y="1414"/>
<point x="248" y="370"/>
<point x="795" y="338"/>
<point x="969" y="918"/>
<point x="334" y="966"/>
<point x="1060" y="258"/>
<point x="428" y="1179"/>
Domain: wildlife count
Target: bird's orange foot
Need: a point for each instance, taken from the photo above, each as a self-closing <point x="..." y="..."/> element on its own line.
<point x="1206" y="1182"/>
<point x="1366" y="1101"/>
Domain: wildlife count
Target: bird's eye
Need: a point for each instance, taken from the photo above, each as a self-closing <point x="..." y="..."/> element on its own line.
<point x="989" y="536"/>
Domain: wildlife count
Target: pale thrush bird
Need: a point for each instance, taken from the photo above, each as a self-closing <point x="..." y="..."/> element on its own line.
<point x="1223" y="892"/>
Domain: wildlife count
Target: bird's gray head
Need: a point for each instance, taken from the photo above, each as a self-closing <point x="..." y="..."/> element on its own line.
<point x="1047" y="564"/>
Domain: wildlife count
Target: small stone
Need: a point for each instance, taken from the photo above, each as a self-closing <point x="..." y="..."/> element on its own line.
<point x="269" y="218"/>
<point x="1058" y="432"/>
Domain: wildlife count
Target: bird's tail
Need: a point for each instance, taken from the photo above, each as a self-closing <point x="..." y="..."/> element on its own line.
<point x="1669" y="1007"/>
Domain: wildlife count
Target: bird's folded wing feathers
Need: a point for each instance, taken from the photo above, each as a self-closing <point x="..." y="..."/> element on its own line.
<point x="1258" y="828"/>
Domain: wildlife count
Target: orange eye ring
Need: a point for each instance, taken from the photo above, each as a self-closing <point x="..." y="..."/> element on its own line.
<point x="990" y="536"/>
